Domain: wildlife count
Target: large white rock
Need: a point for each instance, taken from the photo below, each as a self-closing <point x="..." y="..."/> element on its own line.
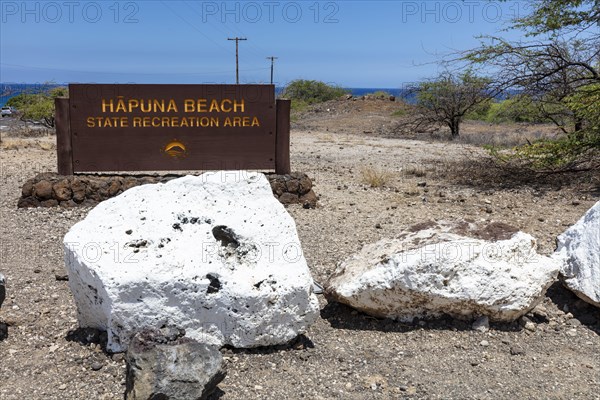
<point x="216" y="255"/>
<point x="579" y="253"/>
<point x="427" y="274"/>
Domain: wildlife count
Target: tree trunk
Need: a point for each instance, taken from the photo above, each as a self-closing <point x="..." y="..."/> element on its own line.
<point x="578" y="129"/>
<point x="48" y="122"/>
<point x="454" y="128"/>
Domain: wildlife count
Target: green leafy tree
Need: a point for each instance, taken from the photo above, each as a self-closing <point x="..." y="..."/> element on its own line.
<point x="558" y="68"/>
<point x="19" y="101"/>
<point x="38" y="107"/>
<point x="480" y="112"/>
<point x="519" y="108"/>
<point x="380" y="94"/>
<point x="546" y="72"/>
<point x="586" y="103"/>
<point x="306" y="92"/>
<point x="447" y="99"/>
<point x="555" y="16"/>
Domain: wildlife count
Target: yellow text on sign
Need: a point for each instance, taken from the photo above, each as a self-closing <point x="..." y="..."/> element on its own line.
<point x="202" y="105"/>
<point x="120" y="105"/>
<point x="171" y="122"/>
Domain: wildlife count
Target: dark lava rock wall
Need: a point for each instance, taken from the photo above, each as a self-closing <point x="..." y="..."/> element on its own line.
<point x="50" y="189"/>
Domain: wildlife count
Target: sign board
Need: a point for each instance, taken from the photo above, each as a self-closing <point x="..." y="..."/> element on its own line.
<point x="131" y="127"/>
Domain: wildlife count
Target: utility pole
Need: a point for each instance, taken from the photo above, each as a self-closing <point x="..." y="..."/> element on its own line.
<point x="272" y="62"/>
<point x="237" y="70"/>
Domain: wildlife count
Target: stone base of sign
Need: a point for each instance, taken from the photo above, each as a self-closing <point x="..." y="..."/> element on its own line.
<point x="50" y="189"/>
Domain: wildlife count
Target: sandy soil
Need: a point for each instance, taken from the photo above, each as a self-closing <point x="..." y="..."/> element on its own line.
<point x="344" y="354"/>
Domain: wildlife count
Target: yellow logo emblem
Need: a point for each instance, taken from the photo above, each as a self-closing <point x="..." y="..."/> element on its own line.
<point x="176" y="149"/>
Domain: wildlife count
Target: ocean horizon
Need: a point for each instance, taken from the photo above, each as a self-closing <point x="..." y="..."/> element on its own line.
<point x="8" y="90"/>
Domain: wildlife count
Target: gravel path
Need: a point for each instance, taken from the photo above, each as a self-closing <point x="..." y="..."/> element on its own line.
<point x="345" y="354"/>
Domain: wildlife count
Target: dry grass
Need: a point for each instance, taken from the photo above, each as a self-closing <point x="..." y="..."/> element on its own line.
<point x="30" y="131"/>
<point x="325" y="138"/>
<point x="487" y="173"/>
<point x="19" y="143"/>
<point x="376" y="177"/>
<point x="414" y="170"/>
<point x="480" y="134"/>
<point x="499" y="135"/>
<point x="400" y="113"/>
<point x="47" y="145"/>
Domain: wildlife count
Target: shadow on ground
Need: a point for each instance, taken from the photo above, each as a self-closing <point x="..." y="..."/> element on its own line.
<point x="87" y="336"/>
<point x="217" y="394"/>
<point x="487" y="173"/>
<point x="301" y="342"/>
<point x="567" y="301"/>
<point x="3" y="331"/>
<point x="341" y="316"/>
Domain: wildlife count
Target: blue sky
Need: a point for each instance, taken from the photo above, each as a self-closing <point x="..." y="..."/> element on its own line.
<point x="350" y="43"/>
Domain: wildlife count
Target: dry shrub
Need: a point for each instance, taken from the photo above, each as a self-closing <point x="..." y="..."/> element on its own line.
<point x="414" y="170"/>
<point x="479" y="133"/>
<point x="11" y="144"/>
<point x="18" y="144"/>
<point x="31" y="131"/>
<point x="376" y="177"/>
<point x="500" y="135"/>
<point x="488" y="173"/>
<point x="504" y="139"/>
<point x="47" y="145"/>
<point x="326" y="138"/>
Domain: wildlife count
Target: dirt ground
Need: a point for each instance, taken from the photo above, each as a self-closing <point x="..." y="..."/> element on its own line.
<point x="345" y="354"/>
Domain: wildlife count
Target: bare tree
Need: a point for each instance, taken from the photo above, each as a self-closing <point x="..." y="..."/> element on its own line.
<point x="446" y="99"/>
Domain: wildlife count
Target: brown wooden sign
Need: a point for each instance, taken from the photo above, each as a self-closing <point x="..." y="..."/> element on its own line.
<point x="130" y="127"/>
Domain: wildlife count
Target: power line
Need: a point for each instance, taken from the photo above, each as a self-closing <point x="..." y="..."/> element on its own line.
<point x="228" y="30"/>
<point x="192" y="26"/>
<point x="237" y="70"/>
<point x="272" y="62"/>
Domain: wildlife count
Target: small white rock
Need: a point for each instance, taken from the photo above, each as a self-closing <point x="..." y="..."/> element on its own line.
<point x="530" y="326"/>
<point x="481" y="324"/>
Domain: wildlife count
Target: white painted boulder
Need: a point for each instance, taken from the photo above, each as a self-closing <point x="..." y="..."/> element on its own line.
<point x="432" y="272"/>
<point x="216" y="255"/>
<point x="578" y="251"/>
